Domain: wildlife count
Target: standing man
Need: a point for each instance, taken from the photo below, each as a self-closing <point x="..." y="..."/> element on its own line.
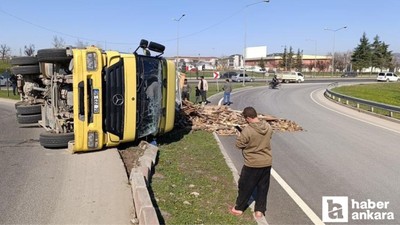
<point x="186" y="90"/>
<point x="203" y="87"/>
<point x="227" y="92"/>
<point x="255" y="142"/>
<point x="13" y="80"/>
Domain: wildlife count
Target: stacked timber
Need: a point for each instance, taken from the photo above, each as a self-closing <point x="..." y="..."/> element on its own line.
<point x="222" y="119"/>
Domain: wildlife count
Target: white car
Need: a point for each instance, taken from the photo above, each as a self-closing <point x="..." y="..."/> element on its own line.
<point x="389" y="76"/>
<point x="4" y="81"/>
<point x="239" y="78"/>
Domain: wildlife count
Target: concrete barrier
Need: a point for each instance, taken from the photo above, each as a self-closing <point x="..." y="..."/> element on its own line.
<point x="140" y="181"/>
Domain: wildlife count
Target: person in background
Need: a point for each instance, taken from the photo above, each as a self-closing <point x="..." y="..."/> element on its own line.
<point x="203" y="87"/>
<point x="255" y="143"/>
<point x="186" y="90"/>
<point x="227" y="92"/>
<point x="198" y="94"/>
<point x="13" y="80"/>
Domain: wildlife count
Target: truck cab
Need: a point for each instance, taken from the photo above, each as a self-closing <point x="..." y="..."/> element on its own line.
<point x="91" y="99"/>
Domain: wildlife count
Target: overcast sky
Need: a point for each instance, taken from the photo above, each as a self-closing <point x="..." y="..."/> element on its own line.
<point x="209" y="27"/>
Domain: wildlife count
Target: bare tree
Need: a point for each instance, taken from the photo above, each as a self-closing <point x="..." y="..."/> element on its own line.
<point x="58" y="42"/>
<point x="81" y="44"/>
<point x="395" y="63"/>
<point x="340" y="61"/>
<point x="321" y="65"/>
<point x="4" y="51"/>
<point x="29" y="50"/>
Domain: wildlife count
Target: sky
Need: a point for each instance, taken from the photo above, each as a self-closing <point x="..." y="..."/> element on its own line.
<point x="209" y="28"/>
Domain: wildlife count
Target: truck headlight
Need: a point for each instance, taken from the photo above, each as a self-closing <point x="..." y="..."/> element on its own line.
<point x="93" y="139"/>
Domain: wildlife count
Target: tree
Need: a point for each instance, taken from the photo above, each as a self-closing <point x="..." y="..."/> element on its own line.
<point x="284" y="59"/>
<point x="4" y="51"/>
<point x="362" y="54"/>
<point x="290" y="55"/>
<point x="58" y="42"/>
<point x="321" y="65"/>
<point x="299" y="61"/>
<point x="341" y="61"/>
<point x="262" y="64"/>
<point x="81" y="44"/>
<point x="29" y="50"/>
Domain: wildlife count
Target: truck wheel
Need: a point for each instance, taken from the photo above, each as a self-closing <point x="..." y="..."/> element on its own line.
<point x="24" y="60"/>
<point x="26" y="119"/>
<point x="53" y="55"/>
<point x="25" y="70"/>
<point x="25" y="109"/>
<point x="53" y="140"/>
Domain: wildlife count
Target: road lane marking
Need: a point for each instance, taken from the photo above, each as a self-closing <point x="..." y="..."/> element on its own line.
<point x="344" y="114"/>
<point x="296" y="198"/>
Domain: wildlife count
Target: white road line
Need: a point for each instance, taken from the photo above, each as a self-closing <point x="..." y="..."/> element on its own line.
<point x="344" y="114"/>
<point x="296" y="198"/>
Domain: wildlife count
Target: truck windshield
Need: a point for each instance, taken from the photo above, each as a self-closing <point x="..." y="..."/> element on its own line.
<point x="149" y="86"/>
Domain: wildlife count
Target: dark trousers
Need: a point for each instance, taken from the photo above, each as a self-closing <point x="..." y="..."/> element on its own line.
<point x="250" y="179"/>
<point x="203" y="96"/>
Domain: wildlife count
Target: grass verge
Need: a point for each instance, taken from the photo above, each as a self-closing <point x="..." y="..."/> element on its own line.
<point x="387" y="93"/>
<point x="8" y="94"/>
<point x="192" y="183"/>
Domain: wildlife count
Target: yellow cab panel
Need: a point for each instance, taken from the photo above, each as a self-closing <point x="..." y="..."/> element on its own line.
<point x="87" y="83"/>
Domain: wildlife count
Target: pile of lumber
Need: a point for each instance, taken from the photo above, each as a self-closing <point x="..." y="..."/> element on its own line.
<point x="222" y="119"/>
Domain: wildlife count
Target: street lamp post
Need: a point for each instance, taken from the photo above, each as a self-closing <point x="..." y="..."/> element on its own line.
<point x="245" y="38"/>
<point x="333" y="48"/>
<point x="177" y="40"/>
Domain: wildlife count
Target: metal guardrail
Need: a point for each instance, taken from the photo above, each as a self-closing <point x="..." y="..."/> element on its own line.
<point x="372" y="106"/>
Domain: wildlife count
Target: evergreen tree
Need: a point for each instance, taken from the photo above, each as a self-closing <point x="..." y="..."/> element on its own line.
<point x="284" y="59"/>
<point x="299" y="60"/>
<point x="362" y="54"/>
<point x="290" y="58"/>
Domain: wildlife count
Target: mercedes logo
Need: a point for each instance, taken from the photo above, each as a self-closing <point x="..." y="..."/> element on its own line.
<point x="118" y="99"/>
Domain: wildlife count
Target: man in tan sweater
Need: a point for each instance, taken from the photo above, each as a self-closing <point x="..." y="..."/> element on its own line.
<point x="255" y="142"/>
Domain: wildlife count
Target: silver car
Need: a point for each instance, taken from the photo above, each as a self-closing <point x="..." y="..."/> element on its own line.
<point x="239" y="78"/>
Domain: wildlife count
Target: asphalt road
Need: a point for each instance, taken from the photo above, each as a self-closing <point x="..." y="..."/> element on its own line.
<point x="341" y="153"/>
<point x="43" y="186"/>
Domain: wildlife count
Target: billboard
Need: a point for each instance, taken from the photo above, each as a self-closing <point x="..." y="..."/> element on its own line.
<point x="256" y="52"/>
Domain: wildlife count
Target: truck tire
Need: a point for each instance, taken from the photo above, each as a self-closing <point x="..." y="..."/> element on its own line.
<point x="53" y="55"/>
<point x="27" y="119"/>
<point x="25" y="109"/>
<point x="24" y="60"/>
<point x="26" y="70"/>
<point x="53" y="140"/>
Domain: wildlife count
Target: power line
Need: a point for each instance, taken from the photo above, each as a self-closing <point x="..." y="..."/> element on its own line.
<point x="116" y="43"/>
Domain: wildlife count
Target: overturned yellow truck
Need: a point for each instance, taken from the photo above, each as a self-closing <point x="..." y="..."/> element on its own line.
<point x="91" y="99"/>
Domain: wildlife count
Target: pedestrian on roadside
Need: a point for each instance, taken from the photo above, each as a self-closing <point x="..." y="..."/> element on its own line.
<point x="255" y="143"/>
<point x="13" y="80"/>
<point x="227" y="92"/>
<point x="186" y="90"/>
<point x="198" y="94"/>
<point x="203" y="87"/>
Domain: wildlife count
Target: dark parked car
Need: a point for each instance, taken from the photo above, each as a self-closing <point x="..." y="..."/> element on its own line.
<point x="228" y="75"/>
<point x="349" y="74"/>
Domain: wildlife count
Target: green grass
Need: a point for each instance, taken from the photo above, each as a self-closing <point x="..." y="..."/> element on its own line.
<point x="9" y="94"/>
<point x="192" y="162"/>
<point x="387" y="93"/>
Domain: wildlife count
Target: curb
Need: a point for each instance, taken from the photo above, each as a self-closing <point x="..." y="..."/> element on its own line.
<point x="140" y="181"/>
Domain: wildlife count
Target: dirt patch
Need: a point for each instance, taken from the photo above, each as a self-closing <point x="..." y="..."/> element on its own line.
<point x="130" y="157"/>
